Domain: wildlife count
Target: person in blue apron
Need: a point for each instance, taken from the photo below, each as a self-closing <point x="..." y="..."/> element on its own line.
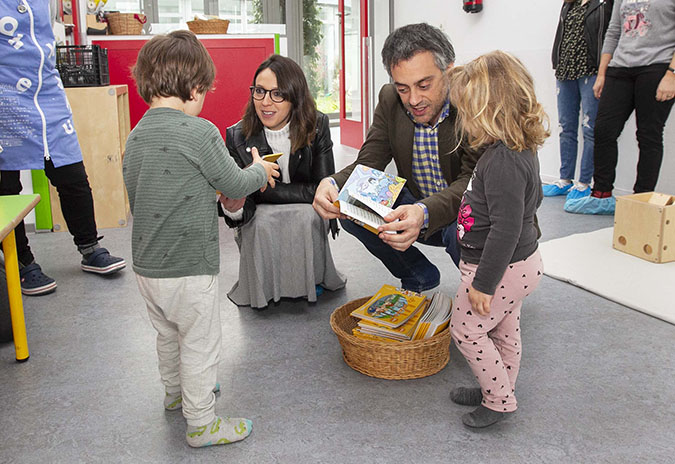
<point x="36" y="132"/>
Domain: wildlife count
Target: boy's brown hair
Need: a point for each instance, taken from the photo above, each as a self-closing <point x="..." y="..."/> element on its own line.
<point x="171" y="65"/>
<point x="495" y="100"/>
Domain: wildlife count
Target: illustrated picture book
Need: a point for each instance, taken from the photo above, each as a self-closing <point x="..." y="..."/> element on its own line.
<point x="368" y="196"/>
<point x="390" y="306"/>
<point x="401" y="333"/>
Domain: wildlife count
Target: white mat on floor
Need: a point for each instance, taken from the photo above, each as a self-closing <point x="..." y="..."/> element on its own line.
<point x="589" y="261"/>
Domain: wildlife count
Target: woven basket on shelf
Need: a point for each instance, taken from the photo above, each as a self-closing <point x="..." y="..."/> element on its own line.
<point x="385" y="360"/>
<point x="125" y="23"/>
<point x="209" y="26"/>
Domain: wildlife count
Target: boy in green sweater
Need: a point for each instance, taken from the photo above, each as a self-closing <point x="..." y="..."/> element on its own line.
<point x="173" y="165"/>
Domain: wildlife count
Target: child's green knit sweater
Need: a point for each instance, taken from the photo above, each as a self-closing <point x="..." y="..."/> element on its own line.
<point x="173" y="165"/>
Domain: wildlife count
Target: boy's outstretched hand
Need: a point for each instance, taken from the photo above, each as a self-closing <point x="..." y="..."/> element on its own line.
<point x="272" y="169"/>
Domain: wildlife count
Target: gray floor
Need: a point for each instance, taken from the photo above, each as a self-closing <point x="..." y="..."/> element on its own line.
<point x="596" y="383"/>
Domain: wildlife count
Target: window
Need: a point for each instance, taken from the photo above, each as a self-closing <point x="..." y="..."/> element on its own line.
<point x="177" y="12"/>
<point x="124" y="6"/>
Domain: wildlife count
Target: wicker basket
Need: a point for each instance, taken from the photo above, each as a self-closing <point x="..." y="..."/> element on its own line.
<point x="126" y="23"/>
<point x="209" y="26"/>
<point x="385" y="360"/>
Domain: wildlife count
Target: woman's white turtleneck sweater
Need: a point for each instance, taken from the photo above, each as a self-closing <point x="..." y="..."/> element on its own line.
<point x="280" y="142"/>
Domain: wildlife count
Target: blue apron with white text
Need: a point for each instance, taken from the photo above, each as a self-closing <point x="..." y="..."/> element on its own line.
<point x="35" y="118"/>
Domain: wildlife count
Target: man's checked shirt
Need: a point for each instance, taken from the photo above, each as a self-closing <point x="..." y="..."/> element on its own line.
<point x="426" y="166"/>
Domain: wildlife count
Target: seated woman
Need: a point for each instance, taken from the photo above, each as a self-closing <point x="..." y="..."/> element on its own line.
<point x="283" y="242"/>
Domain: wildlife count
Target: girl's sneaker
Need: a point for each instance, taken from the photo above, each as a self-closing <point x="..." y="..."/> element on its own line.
<point x="557" y="188"/>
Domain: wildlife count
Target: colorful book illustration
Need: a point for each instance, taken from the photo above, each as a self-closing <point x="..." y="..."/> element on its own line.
<point x="401" y="333"/>
<point x="368" y="196"/>
<point x="390" y="307"/>
<point x="436" y="318"/>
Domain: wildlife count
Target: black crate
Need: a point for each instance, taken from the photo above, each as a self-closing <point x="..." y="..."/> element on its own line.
<point x="82" y="65"/>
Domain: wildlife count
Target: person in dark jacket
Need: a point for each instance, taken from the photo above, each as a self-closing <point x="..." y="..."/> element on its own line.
<point x="576" y="57"/>
<point x="414" y="125"/>
<point x="279" y="228"/>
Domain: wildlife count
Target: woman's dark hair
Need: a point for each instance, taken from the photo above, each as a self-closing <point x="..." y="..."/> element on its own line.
<point x="172" y="65"/>
<point x="407" y="41"/>
<point x="293" y="86"/>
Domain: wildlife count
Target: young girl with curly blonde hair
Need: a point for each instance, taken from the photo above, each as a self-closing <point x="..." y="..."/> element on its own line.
<point x="500" y="263"/>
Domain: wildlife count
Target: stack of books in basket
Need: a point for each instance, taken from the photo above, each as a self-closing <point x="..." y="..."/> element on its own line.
<point x="397" y="315"/>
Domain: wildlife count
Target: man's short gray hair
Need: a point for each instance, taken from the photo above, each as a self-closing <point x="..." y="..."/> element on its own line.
<point x="407" y="41"/>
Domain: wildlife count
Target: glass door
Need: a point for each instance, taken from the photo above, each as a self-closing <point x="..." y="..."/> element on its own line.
<point x="354" y="71"/>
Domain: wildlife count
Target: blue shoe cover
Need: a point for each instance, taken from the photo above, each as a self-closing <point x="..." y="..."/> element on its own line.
<point x="591" y="205"/>
<point x="553" y="190"/>
<point x="576" y="193"/>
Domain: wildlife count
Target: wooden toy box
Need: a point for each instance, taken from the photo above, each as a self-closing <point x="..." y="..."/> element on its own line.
<point x="644" y="226"/>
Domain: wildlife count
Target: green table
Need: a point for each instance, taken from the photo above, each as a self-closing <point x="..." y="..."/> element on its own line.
<point x="13" y="208"/>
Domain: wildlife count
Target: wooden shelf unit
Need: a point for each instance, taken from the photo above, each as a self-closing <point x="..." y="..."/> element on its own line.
<point x="101" y="120"/>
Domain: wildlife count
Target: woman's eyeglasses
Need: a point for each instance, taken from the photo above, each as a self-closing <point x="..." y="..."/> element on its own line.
<point x="259" y="93"/>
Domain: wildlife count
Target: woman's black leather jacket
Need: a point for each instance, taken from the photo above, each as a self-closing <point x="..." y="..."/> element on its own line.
<point x="598" y="15"/>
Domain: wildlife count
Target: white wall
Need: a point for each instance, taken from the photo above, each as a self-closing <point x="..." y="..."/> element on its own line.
<point x="526" y="28"/>
<point x="380" y="15"/>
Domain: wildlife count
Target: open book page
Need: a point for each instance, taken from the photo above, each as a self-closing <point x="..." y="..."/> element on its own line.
<point x="368" y="196"/>
<point x="362" y="216"/>
<point x="378" y="208"/>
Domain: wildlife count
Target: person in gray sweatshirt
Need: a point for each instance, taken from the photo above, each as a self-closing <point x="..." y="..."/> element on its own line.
<point x="637" y="72"/>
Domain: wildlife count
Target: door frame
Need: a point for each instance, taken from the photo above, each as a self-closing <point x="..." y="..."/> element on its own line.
<point x="353" y="133"/>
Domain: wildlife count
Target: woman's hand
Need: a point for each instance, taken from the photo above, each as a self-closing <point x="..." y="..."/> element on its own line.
<point x="272" y="169"/>
<point x="480" y="301"/>
<point x="605" y="59"/>
<point x="231" y="204"/>
<point x="597" y="87"/>
<point x="666" y="89"/>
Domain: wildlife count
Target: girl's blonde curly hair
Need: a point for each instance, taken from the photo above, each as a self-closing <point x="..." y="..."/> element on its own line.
<point x="495" y="100"/>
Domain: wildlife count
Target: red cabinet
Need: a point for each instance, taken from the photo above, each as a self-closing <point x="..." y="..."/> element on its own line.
<point x="236" y="59"/>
